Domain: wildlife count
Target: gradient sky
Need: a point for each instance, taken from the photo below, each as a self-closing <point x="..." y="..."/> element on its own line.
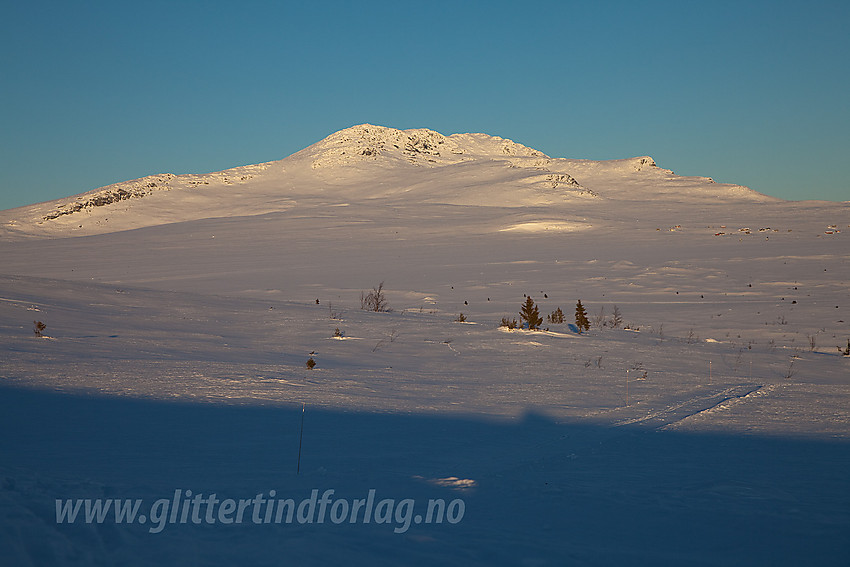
<point x="748" y="92"/>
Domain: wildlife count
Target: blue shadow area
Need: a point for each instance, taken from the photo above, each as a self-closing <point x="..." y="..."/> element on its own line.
<point x="534" y="492"/>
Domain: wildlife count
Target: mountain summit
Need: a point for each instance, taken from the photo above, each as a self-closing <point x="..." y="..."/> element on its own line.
<point x="418" y="146"/>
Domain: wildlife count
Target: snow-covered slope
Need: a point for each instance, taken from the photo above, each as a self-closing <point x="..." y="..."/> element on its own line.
<point x="710" y="426"/>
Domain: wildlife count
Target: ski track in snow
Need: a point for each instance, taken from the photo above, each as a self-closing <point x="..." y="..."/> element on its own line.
<point x="702" y="405"/>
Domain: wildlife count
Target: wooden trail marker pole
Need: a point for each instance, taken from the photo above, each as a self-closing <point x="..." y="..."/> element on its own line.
<point x="300" y="438"/>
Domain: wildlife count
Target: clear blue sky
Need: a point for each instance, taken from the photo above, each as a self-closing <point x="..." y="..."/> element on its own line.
<point x="749" y="92"/>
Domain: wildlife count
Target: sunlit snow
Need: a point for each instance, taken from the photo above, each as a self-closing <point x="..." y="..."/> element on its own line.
<point x="709" y="427"/>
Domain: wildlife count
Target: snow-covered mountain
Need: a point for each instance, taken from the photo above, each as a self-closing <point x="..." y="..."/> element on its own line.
<point x="366" y="162"/>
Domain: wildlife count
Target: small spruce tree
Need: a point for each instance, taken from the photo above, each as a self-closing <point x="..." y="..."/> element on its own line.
<point x="556" y="317"/>
<point x="581" y="318"/>
<point x="530" y="314"/>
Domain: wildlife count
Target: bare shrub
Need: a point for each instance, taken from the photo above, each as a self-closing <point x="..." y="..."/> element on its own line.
<point x="790" y="371"/>
<point x="333" y="313"/>
<point x="391" y="337"/>
<point x="374" y="300"/>
<point x="616" y="318"/>
<point x="599" y="318"/>
<point x="639" y="371"/>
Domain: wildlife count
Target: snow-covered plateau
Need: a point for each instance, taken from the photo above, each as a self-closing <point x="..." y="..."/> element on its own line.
<point x="708" y="423"/>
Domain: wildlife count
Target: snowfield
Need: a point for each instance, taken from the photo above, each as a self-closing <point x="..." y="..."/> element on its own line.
<point x="711" y="427"/>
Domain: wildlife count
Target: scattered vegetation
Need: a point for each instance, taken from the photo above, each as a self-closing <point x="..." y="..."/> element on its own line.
<point x="790" y="371"/>
<point x="38" y="328"/>
<point x="461" y="318"/>
<point x="616" y="318"/>
<point x="599" y="318"/>
<point x="638" y="369"/>
<point x="509" y="323"/>
<point x="391" y="337"/>
<point x="530" y="314"/>
<point x="311" y="363"/>
<point x="581" y="318"/>
<point x="556" y="317"/>
<point x="813" y="342"/>
<point x="375" y="300"/>
<point x="333" y="313"/>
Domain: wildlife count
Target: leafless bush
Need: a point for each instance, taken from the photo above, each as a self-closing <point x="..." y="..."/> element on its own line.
<point x="599" y="318"/>
<point x="616" y="318"/>
<point x="333" y="313"/>
<point x="790" y="371"/>
<point x="639" y="371"/>
<point x="391" y="337"/>
<point x="375" y="300"/>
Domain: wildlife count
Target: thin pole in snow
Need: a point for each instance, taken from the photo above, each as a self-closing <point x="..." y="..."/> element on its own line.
<point x="300" y="437"/>
<point x="709" y="372"/>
